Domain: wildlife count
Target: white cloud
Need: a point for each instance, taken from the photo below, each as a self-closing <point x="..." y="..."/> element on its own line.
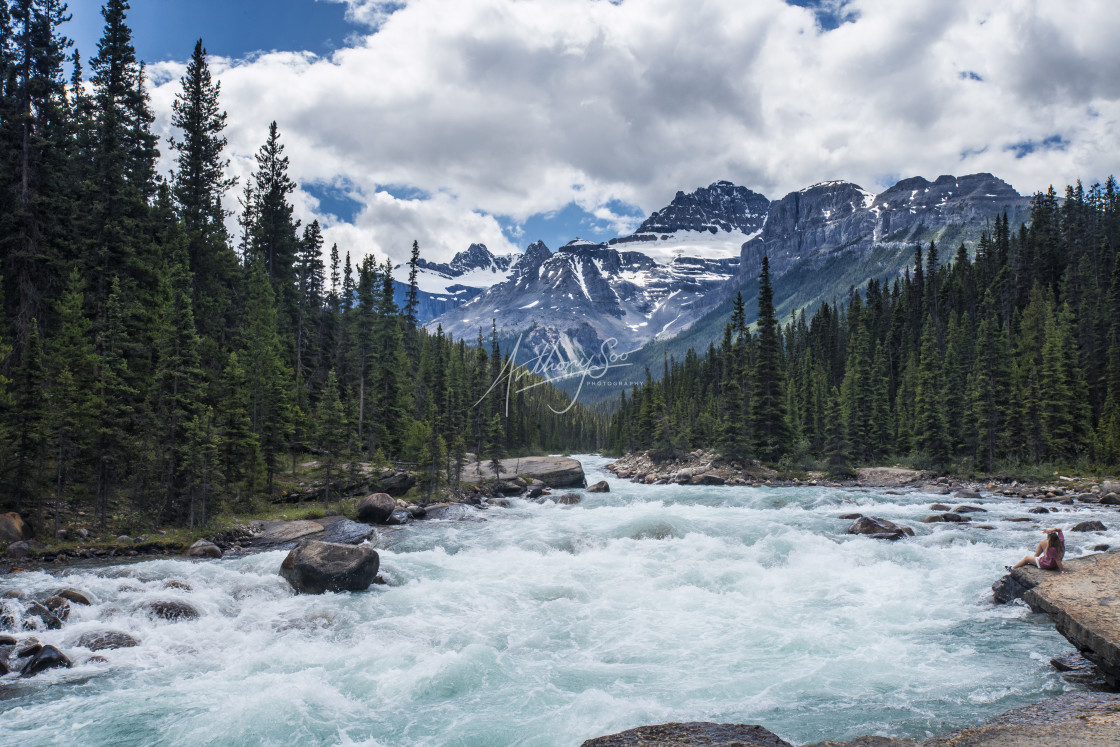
<point x="513" y="108"/>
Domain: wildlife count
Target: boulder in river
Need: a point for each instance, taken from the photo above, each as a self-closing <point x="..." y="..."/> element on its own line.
<point x="74" y="596"/>
<point x="967" y="493"/>
<point x="101" y="640"/>
<point x="938" y="507"/>
<point x="13" y="528"/>
<point x="1039" y="510"/>
<point x="1110" y="499"/>
<point x="969" y="510"/>
<point x="877" y="528"/>
<point x="850" y="517"/>
<point x="689" y="734"/>
<point x="48" y="657"/>
<point x="1088" y="526"/>
<point x="376" y="508"/>
<point x="599" y="487"/>
<point x="204" y="549"/>
<point x="49" y="619"/>
<point x="568" y="499"/>
<point x="171" y="610"/>
<point x="316" y="567"/>
<point x="59" y="606"/>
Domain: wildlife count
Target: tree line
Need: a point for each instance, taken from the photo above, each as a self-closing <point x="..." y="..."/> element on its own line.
<point x="1007" y="357"/>
<point x="154" y="366"/>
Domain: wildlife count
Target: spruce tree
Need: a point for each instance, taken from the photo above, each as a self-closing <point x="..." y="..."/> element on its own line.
<point x="198" y="184"/>
<point x="331" y="431"/>
<point x="768" y="417"/>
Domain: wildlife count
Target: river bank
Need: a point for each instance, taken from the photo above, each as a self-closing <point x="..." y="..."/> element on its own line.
<point x="709" y="468"/>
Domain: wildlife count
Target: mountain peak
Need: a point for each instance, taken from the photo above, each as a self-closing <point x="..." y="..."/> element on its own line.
<point x="721" y="206"/>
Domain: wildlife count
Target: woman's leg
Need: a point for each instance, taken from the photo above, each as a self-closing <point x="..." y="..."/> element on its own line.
<point x="1027" y="560"/>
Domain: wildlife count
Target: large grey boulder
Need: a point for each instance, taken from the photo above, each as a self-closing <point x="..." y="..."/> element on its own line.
<point x="204" y="549"/>
<point x="376" y="508"/>
<point x="316" y="567"/>
<point x="877" y="528"/>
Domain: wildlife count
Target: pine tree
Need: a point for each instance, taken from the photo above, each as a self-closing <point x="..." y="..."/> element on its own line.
<point x="768" y="417"/>
<point x="177" y="388"/>
<point x="199" y="183"/>
<point x="331" y="430"/>
<point x="270" y="409"/>
<point x="929" y="419"/>
<point x="274" y="232"/>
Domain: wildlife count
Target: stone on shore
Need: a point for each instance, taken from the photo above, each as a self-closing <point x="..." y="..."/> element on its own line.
<point x="1110" y="499"/>
<point x="599" y="487"/>
<point x="376" y="508"/>
<point x="13" y="528"/>
<point x="877" y="528"/>
<point x="316" y="567"/>
<point x="690" y="734"/>
<point x="204" y="549"/>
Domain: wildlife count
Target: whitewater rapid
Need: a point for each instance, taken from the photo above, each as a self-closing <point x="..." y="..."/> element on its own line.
<point x="548" y="625"/>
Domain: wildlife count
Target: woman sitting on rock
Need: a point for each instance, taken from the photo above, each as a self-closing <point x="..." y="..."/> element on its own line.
<point x="1049" y="554"/>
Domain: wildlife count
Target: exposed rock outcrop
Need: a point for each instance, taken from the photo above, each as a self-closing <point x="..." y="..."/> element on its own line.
<point x="599" y="487"/>
<point x="316" y="567"/>
<point x="1080" y="602"/>
<point x="688" y="734"/>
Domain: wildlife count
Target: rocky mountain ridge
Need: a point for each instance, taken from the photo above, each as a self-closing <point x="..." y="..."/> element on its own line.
<point x="688" y="259"/>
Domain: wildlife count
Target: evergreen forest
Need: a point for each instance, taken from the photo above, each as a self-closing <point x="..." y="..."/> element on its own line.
<point x="1007" y="357"/>
<point x="161" y="368"/>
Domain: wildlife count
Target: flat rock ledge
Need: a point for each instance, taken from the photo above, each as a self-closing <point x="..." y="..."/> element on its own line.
<point x="1081" y="719"/>
<point x="1083" y="603"/>
<point x="694" y="733"/>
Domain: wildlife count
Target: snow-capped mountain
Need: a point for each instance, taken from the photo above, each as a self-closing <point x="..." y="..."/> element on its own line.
<point x="445" y="286"/>
<point x="687" y="259"/>
<point x="818" y="222"/>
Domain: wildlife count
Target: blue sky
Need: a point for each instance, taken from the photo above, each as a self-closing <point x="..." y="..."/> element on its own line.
<point x="168" y="29"/>
<point x="506" y="121"/>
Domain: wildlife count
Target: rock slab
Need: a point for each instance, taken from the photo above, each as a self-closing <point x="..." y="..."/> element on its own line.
<point x="692" y="734"/>
<point x="316" y="567"/>
<point x="1083" y="603"/>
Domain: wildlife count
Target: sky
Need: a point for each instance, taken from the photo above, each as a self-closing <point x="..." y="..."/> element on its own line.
<point x="507" y="121"/>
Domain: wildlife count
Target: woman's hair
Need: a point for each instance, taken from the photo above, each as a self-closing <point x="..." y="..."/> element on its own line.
<point x="1055" y="540"/>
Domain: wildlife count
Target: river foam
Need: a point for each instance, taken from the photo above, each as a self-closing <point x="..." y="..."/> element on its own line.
<point x="548" y="625"/>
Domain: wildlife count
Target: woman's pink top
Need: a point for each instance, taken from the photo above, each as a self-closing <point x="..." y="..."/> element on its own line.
<point x="1049" y="559"/>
